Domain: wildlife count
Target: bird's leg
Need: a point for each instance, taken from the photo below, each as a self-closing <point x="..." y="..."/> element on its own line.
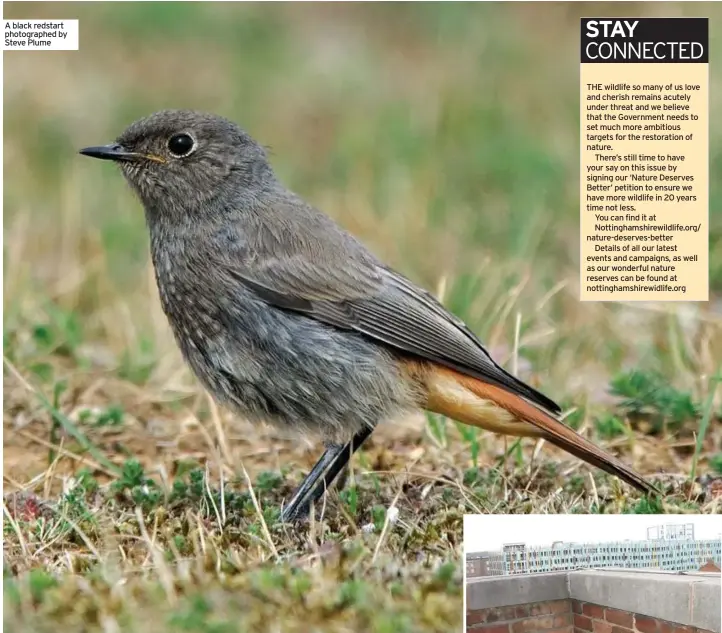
<point x="322" y="475"/>
<point x="314" y="484"/>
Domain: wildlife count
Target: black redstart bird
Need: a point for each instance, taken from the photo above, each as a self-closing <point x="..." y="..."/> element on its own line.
<point x="287" y="318"/>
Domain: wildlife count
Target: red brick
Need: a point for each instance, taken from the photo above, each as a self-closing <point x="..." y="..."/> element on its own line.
<point x="540" y="608"/>
<point x="523" y="626"/>
<point x="533" y="624"/>
<point x="510" y="613"/>
<point x="593" y="610"/>
<point x="551" y="606"/>
<point x="621" y="629"/>
<point x="566" y="629"/>
<point x="545" y="622"/>
<point x="560" y="606"/>
<point x="576" y="606"/>
<point x="493" y="614"/>
<point x="522" y="611"/>
<point x="582" y="622"/>
<point x="499" y="614"/>
<point x="672" y="627"/>
<point x="645" y="624"/>
<point x="600" y="626"/>
<point x="622" y="618"/>
<point x="565" y="619"/>
<point x="475" y="617"/>
<point x="492" y="628"/>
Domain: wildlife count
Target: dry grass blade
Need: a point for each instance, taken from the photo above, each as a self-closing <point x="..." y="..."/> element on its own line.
<point x="164" y="573"/>
<point x="14" y="525"/>
<point x="259" y="513"/>
<point x="714" y="383"/>
<point x="64" y="421"/>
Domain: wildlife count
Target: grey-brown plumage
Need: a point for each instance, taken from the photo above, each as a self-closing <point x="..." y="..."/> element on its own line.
<point x="287" y="318"/>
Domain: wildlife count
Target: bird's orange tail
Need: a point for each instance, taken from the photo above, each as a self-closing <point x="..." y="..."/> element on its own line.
<point x="480" y="404"/>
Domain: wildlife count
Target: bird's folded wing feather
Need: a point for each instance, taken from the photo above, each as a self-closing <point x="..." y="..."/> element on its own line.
<point x="331" y="277"/>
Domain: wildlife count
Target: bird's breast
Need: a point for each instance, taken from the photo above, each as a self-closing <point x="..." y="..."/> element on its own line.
<point x="190" y="298"/>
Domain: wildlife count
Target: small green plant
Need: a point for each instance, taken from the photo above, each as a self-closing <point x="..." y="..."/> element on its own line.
<point x="193" y="487"/>
<point x="437" y="427"/>
<point x="473" y="476"/>
<point x="299" y="584"/>
<point x="715" y="463"/>
<point x="197" y="617"/>
<point x="269" y="580"/>
<point x="60" y="420"/>
<point x="112" y="416"/>
<point x="610" y="426"/>
<point x="43" y="371"/>
<point x="11" y="591"/>
<point x="575" y="417"/>
<point x="445" y="575"/>
<point x="349" y="496"/>
<point x="138" y="365"/>
<point x="364" y="463"/>
<point x="134" y="483"/>
<point x="378" y="515"/>
<point x="471" y="437"/>
<point x="513" y="451"/>
<point x="648" y="505"/>
<point x="132" y="476"/>
<point x="56" y="423"/>
<point x="351" y="593"/>
<point x="392" y="623"/>
<point x="576" y="484"/>
<point x="268" y="481"/>
<point x="649" y="393"/>
<point x="39" y="582"/>
<point x="181" y="544"/>
<point x="707" y="414"/>
<point x="61" y="334"/>
<point x="271" y="515"/>
<point x="73" y="504"/>
<point x="86" y="480"/>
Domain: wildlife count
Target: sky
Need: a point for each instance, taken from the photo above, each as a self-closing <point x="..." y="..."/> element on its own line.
<point x="491" y="531"/>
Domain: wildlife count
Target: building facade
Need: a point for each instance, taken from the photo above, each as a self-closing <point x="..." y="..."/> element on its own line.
<point x="673" y="555"/>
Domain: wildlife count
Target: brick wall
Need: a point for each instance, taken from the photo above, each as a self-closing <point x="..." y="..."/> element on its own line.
<point x="567" y="616"/>
<point x="548" y="617"/>
<point x="593" y="618"/>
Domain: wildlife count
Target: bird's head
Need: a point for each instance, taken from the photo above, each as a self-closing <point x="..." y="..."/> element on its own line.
<point x="181" y="160"/>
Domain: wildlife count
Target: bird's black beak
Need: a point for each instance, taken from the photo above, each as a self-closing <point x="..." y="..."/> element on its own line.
<point x="114" y="151"/>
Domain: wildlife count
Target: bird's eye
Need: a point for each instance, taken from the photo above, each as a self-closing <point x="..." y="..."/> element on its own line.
<point x="181" y="144"/>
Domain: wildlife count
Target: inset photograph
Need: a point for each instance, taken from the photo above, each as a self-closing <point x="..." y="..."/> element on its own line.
<point x="592" y="574"/>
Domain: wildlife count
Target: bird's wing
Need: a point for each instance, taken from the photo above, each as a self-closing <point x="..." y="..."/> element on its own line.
<point x="329" y="276"/>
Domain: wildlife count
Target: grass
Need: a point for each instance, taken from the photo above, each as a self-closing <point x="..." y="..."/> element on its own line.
<point x="446" y="137"/>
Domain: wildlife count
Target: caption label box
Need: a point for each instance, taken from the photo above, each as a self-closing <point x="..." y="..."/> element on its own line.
<point x="644" y="159"/>
<point x="40" y="35"/>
